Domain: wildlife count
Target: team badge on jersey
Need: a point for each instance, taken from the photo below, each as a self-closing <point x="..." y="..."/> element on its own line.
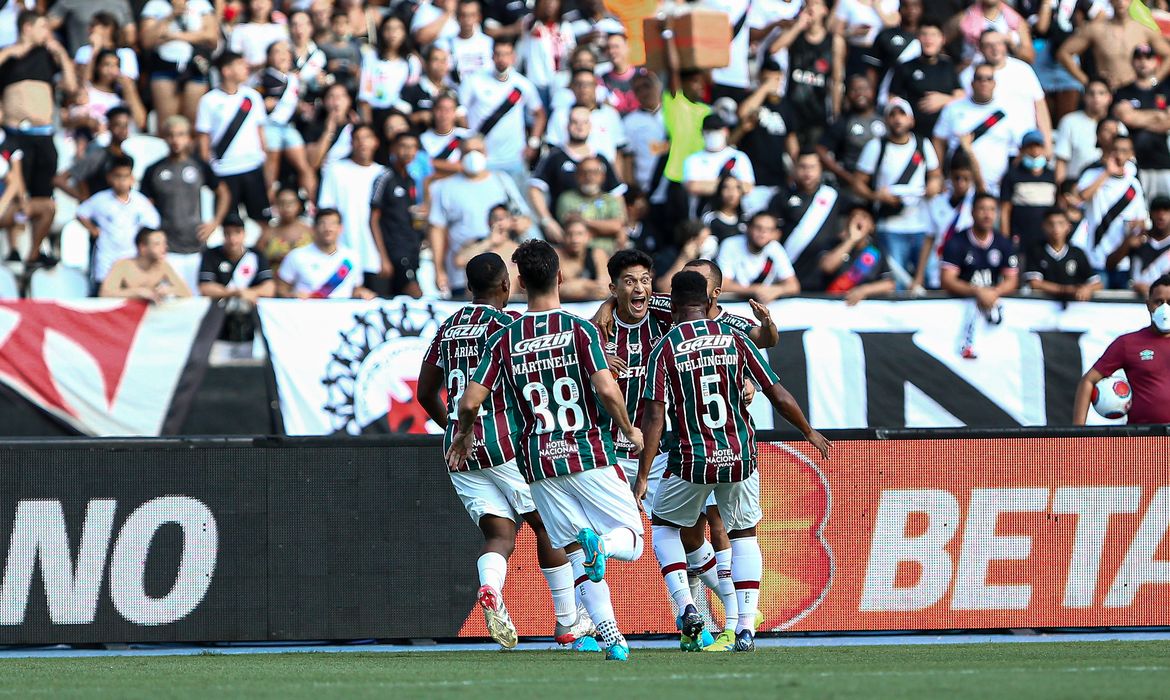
<point x="1146" y="355"/>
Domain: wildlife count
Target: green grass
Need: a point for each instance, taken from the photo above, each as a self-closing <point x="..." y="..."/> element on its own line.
<point x="1029" y="671"/>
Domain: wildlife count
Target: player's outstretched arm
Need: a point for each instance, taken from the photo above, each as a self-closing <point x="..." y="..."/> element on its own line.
<point x="473" y="398"/>
<point x="430" y="383"/>
<point x="787" y="407"/>
<point x="765" y="335"/>
<point x="1084" y="394"/>
<point x="653" y="423"/>
<point x="615" y="404"/>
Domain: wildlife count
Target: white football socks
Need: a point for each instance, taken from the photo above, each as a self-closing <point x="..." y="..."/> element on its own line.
<point x="595" y="598"/>
<point x="560" y="584"/>
<point x="622" y="544"/>
<point x="747" y="568"/>
<point x="493" y="569"/>
<point x="672" y="558"/>
<point x="727" y="589"/>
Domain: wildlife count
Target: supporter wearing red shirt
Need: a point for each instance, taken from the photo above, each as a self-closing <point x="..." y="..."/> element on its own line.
<point x="1145" y="357"/>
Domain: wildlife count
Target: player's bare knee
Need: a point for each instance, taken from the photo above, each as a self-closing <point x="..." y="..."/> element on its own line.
<point x="740" y="534"/>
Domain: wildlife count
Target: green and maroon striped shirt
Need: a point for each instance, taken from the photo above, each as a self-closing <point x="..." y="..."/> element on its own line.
<point x="456" y="349"/>
<point x="699" y="370"/>
<point x="547" y="360"/>
<point x="633" y="344"/>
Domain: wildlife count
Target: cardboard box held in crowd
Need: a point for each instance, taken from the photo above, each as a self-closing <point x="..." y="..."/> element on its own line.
<point x="703" y="38"/>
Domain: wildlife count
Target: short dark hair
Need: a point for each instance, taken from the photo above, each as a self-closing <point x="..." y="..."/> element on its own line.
<point x="930" y="23"/>
<point x="26" y="17"/>
<point x="579" y="71"/>
<point x="496" y="207"/>
<point x="484" y="272"/>
<point x="504" y="41"/>
<point x="145" y="233"/>
<point x="1163" y="281"/>
<point x="1068" y="186"/>
<point x="226" y="59"/>
<point x="327" y="211"/>
<point x="1056" y="211"/>
<point x="106" y="53"/>
<point x="982" y="195"/>
<point x="122" y="161"/>
<point x="104" y="19"/>
<point x="625" y="259"/>
<point x="761" y="214"/>
<point x="688" y="288"/>
<point x="116" y="112"/>
<point x="538" y="265"/>
<point x="710" y="266"/>
<point x="364" y="126"/>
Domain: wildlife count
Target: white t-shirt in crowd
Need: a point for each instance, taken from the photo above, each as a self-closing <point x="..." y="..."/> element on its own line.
<point x="769" y="266"/>
<point x="646" y="133"/>
<point x="119" y="222"/>
<point x="175" y="51"/>
<point x="482" y="94"/>
<point x="856" y="14"/>
<point x="461" y="206"/>
<point x="216" y="111"/>
<point x="9" y="34"/>
<point x="914" y="217"/>
<point x="539" y="46"/>
<point x="1075" y="141"/>
<point x="427" y="13"/>
<point x="1098" y="245"/>
<point x="346" y="187"/>
<point x="470" y="55"/>
<point x="1016" y="88"/>
<point x="607" y="135"/>
<point x="436" y="144"/>
<point x="127" y="59"/>
<point x="705" y="166"/>
<point x="736" y="72"/>
<point x="996" y="144"/>
<point x="382" y="81"/>
<point x="334" y="275"/>
<point x="251" y="40"/>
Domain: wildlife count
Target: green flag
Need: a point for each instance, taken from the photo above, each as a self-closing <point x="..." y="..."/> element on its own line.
<point x="1139" y="13"/>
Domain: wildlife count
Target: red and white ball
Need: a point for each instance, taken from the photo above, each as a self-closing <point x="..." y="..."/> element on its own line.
<point x="1112" y="397"/>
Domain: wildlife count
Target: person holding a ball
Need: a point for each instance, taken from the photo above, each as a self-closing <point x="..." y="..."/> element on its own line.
<point x="1145" y="357"/>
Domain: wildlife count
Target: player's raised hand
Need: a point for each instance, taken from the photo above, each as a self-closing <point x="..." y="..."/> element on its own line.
<point x="460" y="448"/>
<point x="761" y="312"/>
<point x="820" y="442"/>
<point x="635" y="436"/>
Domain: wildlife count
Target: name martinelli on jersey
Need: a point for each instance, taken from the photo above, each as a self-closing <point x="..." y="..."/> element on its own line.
<point x="545" y="363"/>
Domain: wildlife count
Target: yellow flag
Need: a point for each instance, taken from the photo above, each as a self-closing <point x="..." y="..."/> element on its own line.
<point x="1139" y="13"/>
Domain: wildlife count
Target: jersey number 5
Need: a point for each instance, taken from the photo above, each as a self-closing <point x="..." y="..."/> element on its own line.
<point x="715" y="415"/>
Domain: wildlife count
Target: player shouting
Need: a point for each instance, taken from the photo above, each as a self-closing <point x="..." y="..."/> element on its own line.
<point x="489" y="482"/>
<point x="700" y="368"/>
<point x="553" y="362"/>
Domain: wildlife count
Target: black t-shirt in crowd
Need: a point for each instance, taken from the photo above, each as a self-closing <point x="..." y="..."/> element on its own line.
<point x="1070" y="266"/>
<point x="913" y="79"/>
<point x="1151" y="149"/>
<point x="980" y="264"/>
<point x="848" y="135"/>
<point x="807" y="94"/>
<point x="393" y="195"/>
<point x="37" y="64"/>
<point x="216" y="267"/>
<point x="764" y="144"/>
<point x="1148" y="252"/>
<point x="821" y="209"/>
<point x="887" y="48"/>
<point x="1031" y="195"/>
<point x="723" y="227"/>
<point x="558" y="171"/>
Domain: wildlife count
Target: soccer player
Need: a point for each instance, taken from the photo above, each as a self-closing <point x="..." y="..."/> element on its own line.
<point x="489" y="482"/>
<point x="700" y="368"/>
<point x="554" y="363"/>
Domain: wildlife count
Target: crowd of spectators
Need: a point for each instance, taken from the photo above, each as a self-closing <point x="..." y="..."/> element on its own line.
<point x="851" y="148"/>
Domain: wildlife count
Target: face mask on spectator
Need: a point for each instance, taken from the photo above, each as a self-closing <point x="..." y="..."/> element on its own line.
<point x="474" y="163"/>
<point x="714" y="140"/>
<point x="1034" y="162"/>
<point x="1161" y="318"/>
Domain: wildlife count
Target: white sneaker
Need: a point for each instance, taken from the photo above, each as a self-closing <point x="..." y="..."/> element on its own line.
<point x="499" y="623"/>
<point x="583" y="627"/>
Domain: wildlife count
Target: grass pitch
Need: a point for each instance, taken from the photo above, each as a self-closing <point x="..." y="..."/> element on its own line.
<point x="1031" y="671"/>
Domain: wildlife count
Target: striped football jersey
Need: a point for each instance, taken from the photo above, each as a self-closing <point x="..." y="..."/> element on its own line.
<point x="699" y="369"/>
<point x="660" y="309"/>
<point x="547" y="360"/>
<point x="633" y="344"/>
<point x="456" y="349"/>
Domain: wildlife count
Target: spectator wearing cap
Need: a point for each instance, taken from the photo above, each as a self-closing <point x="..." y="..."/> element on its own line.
<point x="1056" y="268"/>
<point x="1017" y="88"/>
<point x="147" y="275"/>
<point x="981" y="126"/>
<point x="1027" y="193"/>
<point x="1149" y="251"/>
<point x="842" y="142"/>
<point x="928" y="82"/>
<point x="1141" y="106"/>
<point x="235" y="276"/>
<point x="702" y="170"/>
<point x="897" y="173"/>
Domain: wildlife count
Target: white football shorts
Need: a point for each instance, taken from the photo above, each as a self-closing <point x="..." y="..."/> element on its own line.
<point x="599" y="499"/>
<point x="680" y="502"/>
<point x="500" y="491"/>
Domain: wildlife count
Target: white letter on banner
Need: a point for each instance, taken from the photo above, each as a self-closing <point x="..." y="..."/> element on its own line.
<point x="1139" y="567"/>
<point x="38" y="534"/>
<point x="890" y="546"/>
<point x="981" y="546"/>
<point x="1093" y="506"/>
<point x="196" y="566"/>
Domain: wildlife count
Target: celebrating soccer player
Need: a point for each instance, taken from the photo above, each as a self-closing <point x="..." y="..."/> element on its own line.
<point x="700" y="368"/>
<point x="489" y="482"/>
<point x="553" y="362"/>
